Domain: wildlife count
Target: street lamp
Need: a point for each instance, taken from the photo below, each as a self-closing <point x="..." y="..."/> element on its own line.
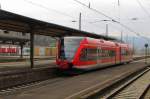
<point x="74" y="21"/>
<point x="134" y="18"/>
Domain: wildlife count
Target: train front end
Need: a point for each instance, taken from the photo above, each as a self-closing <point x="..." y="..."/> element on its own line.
<point x="67" y="49"/>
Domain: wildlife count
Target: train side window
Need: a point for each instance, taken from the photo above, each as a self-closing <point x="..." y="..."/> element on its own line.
<point x="99" y="53"/>
<point x="83" y="55"/>
<point x="92" y="53"/>
<point x="88" y="54"/>
<point x="107" y="53"/>
<point x="112" y="53"/>
<point x="104" y="53"/>
<point x="124" y="52"/>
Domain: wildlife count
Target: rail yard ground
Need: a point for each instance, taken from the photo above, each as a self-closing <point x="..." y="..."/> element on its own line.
<point x="73" y="87"/>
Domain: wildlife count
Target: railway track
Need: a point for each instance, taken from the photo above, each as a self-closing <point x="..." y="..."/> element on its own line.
<point x="23" y="87"/>
<point x="147" y="93"/>
<point x="133" y="88"/>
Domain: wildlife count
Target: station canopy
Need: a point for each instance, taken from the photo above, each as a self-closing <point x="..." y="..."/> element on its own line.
<point x="14" y="22"/>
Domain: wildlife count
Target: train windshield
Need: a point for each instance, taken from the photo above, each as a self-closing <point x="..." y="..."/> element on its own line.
<point x="69" y="47"/>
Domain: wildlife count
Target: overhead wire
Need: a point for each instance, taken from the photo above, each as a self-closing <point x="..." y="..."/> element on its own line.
<point x="113" y="20"/>
<point x="42" y="6"/>
<point x="48" y="9"/>
<point x="143" y="8"/>
<point x="95" y="10"/>
<point x="145" y="11"/>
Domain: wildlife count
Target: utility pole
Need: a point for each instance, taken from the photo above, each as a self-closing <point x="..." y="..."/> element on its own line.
<point x="119" y="16"/>
<point x="127" y="38"/>
<point x="118" y="3"/>
<point x="121" y="38"/>
<point x="0" y="6"/>
<point x="80" y="21"/>
<point x="133" y="46"/>
<point x="106" y="30"/>
<point x="89" y="5"/>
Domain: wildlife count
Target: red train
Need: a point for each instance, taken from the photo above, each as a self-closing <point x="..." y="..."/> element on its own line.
<point x="86" y="53"/>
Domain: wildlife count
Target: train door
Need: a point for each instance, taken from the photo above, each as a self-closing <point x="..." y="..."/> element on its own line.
<point x="113" y="55"/>
<point x="117" y="55"/>
<point x="98" y="55"/>
<point x="120" y="58"/>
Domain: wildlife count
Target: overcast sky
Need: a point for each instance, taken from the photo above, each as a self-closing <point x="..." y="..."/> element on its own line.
<point x="63" y="12"/>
